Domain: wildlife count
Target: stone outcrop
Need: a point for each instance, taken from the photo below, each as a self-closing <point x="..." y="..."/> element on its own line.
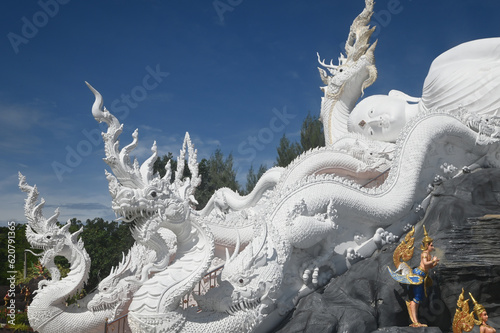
<point x="366" y="299"/>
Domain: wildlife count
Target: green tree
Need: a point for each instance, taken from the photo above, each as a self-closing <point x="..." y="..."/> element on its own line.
<point x="105" y="242"/>
<point x="311" y="136"/>
<point x="203" y="192"/>
<point x="311" y="133"/>
<point x="287" y="151"/>
<point x="161" y="162"/>
<point x="13" y="242"/>
<point x="253" y="178"/>
<point x="216" y="172"/>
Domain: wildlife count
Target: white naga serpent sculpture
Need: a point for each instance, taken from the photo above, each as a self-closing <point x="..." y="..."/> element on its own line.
<point x="308" y="222"/>
<point x="48" y="312"/>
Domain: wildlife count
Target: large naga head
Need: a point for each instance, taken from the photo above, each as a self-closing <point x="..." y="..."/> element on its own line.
<point x="357" y="68"/>
<point x="135" y="190"/>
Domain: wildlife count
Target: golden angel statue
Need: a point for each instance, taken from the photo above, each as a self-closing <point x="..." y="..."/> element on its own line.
<point x="418" y="277"/>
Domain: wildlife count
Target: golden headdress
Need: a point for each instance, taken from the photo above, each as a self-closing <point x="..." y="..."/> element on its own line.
<point x="426" y="240"/>
<point x="463" y="319"/>
<point x="478" y="309"/>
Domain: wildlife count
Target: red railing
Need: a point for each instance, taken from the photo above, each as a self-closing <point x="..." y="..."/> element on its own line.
<point x="208" y="282"/>
<point x="120" y="324"/>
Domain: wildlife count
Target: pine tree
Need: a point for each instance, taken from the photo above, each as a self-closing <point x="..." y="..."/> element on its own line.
<point x="216" y="173"/>
<point x="287" y="151"/>
<point x="311" y="133"/>
<point x="253" y="178"/>
<point x="161" y="162"/>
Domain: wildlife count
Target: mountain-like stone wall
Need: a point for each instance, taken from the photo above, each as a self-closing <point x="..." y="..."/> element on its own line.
<point x="366" y="299"/>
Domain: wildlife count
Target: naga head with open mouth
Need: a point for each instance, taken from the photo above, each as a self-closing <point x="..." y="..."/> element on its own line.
<point x="42" y="233"/>
<point x="116" y="290"/>
<point x="355" y="72"/>
<point x="139" y="195"/>
<point x="248" y="281"/>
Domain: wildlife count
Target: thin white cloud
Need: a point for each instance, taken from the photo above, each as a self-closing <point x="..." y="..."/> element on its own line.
<point x="212" y="142"/>
<point x="293" y="135"/>
<point x="293" y="74"/>
<point x="21" y="125"/>
<point x="19" y="118"/>
<point x="147" y="129"/>
<point x="70" y="207"/>
<point x="12" y="208"/>
<point x="162" y="97"/>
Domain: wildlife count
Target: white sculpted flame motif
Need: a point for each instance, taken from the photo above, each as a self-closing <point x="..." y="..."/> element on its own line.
<point x="303" y="224"/>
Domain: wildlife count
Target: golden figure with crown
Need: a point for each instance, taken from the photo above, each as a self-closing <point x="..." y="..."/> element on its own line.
<point x="418" y="277"/>
<point x="464" y="321"/>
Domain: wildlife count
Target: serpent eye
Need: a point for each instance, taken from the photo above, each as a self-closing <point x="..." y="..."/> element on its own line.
<point x="152" y="193"/>
<point x="242" y="281"/>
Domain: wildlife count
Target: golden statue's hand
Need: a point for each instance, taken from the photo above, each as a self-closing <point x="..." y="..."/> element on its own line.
<point x="435" y="261"/>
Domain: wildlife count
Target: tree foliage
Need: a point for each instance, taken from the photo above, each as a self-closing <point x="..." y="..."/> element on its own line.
<point x="216" y="172"/>
<point x="13" y="242"/>
<point x="161" y="163"/>
<point x="253" y="178"/>
<point x="287" y="151"/>
<point x="105" y="242"/>
<point x="311" y="133"/>
<point x="311" y="136"/>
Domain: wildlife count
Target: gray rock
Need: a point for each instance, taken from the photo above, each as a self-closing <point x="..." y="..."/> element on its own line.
<point x="365" y="298"/>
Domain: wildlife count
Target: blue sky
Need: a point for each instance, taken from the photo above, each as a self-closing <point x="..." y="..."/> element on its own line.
<point x="235" y="74"/>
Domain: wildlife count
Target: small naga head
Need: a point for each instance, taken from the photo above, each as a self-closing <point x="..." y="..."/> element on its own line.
<point x="249" y="279"/>
<point x="135" y="190"/>
<point x="358" y="68"/>
<point x="44" y="233"/>
<point x="114" y="291"/>
<point x="109" y="295"/>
